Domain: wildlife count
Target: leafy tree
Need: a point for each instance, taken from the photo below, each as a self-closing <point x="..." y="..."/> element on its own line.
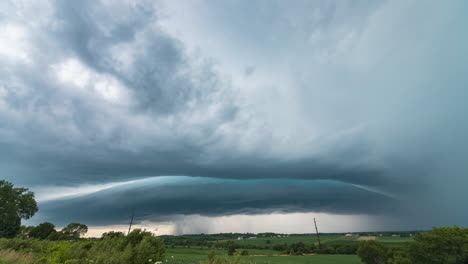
<point x="42" y="231"/>
<point x="372" y="252"/>
<point x="24" y="232"/>
<point x="15" y="204"/>
<point x="57" y="236"/>
<point x="231" y="249"/>
<point x="112" y="234"/>
<point x="150" y="248"/>
<point x="398" y="255"/>
<point x="74" y="231"/>
<point x="442" y="245"/>
<point x="136" y="236"/>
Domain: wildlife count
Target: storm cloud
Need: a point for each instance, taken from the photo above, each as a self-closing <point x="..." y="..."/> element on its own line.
<point x="347" y="107"/>
<point x="157" y="198"/>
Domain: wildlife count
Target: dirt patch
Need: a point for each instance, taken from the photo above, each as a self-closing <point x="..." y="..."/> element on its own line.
<point x="364" y="238"/>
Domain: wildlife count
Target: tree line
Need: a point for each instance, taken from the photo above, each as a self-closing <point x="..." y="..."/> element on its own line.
<point x="443" y="245"/>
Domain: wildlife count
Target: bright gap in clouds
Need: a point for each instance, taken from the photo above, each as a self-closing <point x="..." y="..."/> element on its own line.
<point x="276" y="222"/>
<point x="50" y="193"/>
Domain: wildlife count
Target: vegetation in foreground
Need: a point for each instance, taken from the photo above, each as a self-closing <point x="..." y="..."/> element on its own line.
<point x="135" y="248"/>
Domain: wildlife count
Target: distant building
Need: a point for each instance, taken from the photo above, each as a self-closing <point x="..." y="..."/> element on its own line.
<point x="395" y="235"/>
<point x="251" y="237"/>
<point x="240" y="238"/>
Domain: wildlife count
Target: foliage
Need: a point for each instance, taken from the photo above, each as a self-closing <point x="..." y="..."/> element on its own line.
<point x="442" y="245"/>
<point x="399" y="256"/>
<point x="42" y="231"/>
<point x="372" y="252"/>
<point x="15" y="204"/>
<point x="231" y="249"/>
<point x="112" y="234"/>
<point x="74" y="231"/>
<point x="136" y="248"/>
<point x="150" y="247"/>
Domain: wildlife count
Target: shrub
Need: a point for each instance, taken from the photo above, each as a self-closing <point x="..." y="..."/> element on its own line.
<point x="137" y="248"/>
<point x="372" y="252"/>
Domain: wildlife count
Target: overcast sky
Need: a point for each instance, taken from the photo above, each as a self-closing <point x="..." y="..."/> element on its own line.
<point x="246" y="116"/>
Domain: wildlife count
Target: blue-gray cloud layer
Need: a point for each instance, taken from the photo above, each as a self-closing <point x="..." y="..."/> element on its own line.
<point x="331" y="95"/>
<point x="157" y="198"/>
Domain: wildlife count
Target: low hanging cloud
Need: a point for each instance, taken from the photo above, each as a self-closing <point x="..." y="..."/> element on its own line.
<point x="346" y="107"/>
<point x="163" y="198"/>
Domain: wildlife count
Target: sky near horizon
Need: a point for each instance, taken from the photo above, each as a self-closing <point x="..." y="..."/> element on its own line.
<point x="237" y="116"/>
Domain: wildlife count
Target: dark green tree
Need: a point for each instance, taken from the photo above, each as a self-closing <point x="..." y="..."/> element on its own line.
<point x="112" y="235"/>
<point x="231" y="249"/>
<point x="74" y="231"/>
<point x="442" y="245"/>
<point x="42" y="231"/>
<point x="398" y="256"/>
<point x="15" y="204"/>
<point x="136" y="236"/>
<point x="150" y="247"/>
<point x="372" y="252"/>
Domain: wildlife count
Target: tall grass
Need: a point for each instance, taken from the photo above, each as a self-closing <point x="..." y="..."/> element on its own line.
<point x="14" y="257"/>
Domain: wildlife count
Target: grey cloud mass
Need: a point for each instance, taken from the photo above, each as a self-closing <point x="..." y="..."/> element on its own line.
<point x="157" y="198"/>
<point x="343" y="107"/>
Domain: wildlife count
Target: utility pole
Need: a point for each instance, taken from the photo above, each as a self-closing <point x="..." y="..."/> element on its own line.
<point x="316" y="230"/>
<point x="131" y="222"/>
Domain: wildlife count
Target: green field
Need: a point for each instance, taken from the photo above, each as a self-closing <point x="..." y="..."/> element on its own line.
<point x="325" y="239"/>
<point x="195" y="255"/>
<point x="263" y="241"/>
<point x="317" y="259"/>
<point x="261" y="254"/>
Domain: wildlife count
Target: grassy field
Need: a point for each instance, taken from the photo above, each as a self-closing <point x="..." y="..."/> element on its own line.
<point x="317" y="259"/>
<point x="325" y="239"/>
<point x="195" y="255"/>
<point x="182" y="255"/>
<point x="263" y="241"/>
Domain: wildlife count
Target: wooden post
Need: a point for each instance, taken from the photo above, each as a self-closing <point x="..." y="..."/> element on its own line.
<point x="131" y="222"/>
<point x="316" y="230"/>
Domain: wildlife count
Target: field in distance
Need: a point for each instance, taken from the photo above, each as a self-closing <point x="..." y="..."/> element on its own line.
<point x="260" y="248"/>
<point x="326" y="239"/>
<point x="259" y="256"/>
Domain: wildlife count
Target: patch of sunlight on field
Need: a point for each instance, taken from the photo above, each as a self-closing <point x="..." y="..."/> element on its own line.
<point x="365" y="238"/>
